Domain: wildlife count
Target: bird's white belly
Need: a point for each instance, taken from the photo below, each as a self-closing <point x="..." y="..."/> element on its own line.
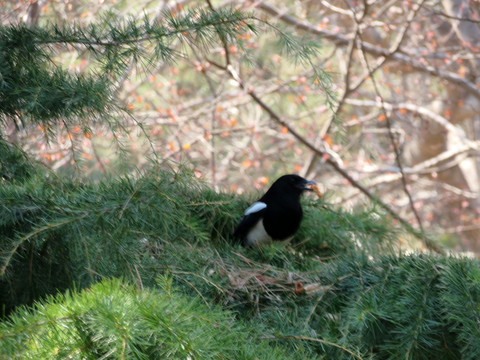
<point x="257" y="235"/>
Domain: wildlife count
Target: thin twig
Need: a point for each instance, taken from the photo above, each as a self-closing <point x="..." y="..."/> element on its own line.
<point x="213" y="131"/>
<point x="139" y="277"/>
<point x="200" y="277"/>
<point x="97" y="157"/>
<point x="387" y="118"/>
<point x="458" y="18"/>
<point x="346" y="92"/>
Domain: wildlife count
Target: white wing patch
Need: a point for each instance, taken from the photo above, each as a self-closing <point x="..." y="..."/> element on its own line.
<point x="255" y="207"/>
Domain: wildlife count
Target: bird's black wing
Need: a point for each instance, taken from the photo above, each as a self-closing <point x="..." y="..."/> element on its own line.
<point x="248" y="221"/>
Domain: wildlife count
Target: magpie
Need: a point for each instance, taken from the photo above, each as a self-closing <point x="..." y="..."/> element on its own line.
<point x="277" y="214"/>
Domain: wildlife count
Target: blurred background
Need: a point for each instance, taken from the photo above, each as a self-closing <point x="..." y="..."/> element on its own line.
<point x="392" y="100"/>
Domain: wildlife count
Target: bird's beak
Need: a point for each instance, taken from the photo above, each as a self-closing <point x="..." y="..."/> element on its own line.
<point x="310" y="185"/>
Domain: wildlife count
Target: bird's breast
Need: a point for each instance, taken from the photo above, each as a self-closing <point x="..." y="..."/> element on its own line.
<point x="282" y="223"/>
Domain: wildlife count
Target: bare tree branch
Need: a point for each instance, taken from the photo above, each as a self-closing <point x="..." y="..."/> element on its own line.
<point x="395" y="48"/>
<point x="342" y="40"/>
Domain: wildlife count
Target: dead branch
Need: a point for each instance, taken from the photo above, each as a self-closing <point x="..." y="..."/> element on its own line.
<point x="342" y="40"/>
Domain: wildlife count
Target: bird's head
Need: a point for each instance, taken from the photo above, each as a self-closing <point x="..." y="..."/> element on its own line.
<point x="294" y="184"/>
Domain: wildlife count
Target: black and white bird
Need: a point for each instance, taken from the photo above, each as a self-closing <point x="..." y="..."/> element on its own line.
<point x="276" y="216"/>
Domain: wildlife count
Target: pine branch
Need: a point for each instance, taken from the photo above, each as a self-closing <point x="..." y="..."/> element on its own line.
<point x="32" y="86"/>
<point x="8" y="257"/>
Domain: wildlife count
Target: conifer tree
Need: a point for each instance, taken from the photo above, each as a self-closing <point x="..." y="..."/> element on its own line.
<point x="186" y="289"/>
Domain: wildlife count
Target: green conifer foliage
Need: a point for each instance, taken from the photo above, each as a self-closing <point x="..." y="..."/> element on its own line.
<point x="113" y="320"/>
<point x="34" y="88"/>
<point x="15" y="165"/>
<point x="340" y="291"/>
